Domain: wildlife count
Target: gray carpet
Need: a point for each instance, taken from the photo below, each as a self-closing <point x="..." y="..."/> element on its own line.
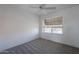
<point x="42" y="46"/>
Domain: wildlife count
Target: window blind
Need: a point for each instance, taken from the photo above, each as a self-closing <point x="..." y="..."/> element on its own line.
<point x="54" y="21"/>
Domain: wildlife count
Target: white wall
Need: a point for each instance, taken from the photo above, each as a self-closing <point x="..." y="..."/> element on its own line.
<point x="71" y="27"/>
<point x="16" y="27"/>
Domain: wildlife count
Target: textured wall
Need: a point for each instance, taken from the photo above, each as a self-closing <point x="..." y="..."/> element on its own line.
<point x="71" y="27"/>
<point x="16" y="26"/>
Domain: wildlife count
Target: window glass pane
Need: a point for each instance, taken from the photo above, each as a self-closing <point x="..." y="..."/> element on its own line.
<point x="47" y="30"/>
<point x="57" y="30"/>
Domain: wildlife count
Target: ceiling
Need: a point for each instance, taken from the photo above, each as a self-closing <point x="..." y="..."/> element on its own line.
<point x="34" y="8"/>
<point x="39" y="11"/>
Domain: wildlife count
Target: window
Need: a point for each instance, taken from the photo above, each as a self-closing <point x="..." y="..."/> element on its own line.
<point x="46" y="30"/>
<point x="53" y="26"/>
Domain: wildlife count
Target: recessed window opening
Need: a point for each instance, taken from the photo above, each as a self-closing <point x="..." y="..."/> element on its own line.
<point x="53" y="25"/>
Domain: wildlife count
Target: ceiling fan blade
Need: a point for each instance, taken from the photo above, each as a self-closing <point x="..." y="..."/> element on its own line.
<point x="43" y="6"/>
<point x="49" y="8"/>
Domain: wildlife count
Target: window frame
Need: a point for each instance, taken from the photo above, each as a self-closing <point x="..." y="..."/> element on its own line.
<point x="52" y="26"/>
